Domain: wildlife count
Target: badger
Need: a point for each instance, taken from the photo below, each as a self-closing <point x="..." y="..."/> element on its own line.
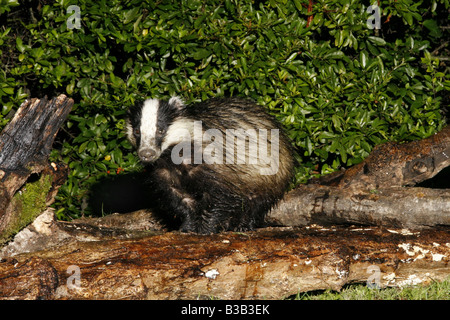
<point x="213" y="166"/>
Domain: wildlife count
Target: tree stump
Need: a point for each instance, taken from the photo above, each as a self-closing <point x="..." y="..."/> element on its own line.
<point x="28" y="183"/>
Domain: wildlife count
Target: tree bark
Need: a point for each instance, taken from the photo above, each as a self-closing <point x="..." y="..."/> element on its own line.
<point x="25" y="145"/>
<point x="394" y="207"/>
<point x="374" y="192"/>
<point x="270" y="263"/>
<point x="396" y="165"/>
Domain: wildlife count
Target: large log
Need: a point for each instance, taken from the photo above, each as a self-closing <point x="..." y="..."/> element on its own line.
<point x="374" y="192"/>
<point x="25" y="144"/>
<point x="394" y="207"/>
<point x="269" y="263"/>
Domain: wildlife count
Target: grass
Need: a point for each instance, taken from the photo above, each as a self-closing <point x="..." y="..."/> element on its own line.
<point x="434" y="291"/>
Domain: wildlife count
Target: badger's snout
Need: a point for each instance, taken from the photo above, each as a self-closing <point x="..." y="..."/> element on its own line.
<point x="147" y="155"/>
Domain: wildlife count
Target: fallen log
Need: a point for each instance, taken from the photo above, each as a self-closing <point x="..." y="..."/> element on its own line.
<point x="394" y="207"/>
<point x="270" y="263"/>
<point x="28" y="182"/>
<point x="396" y="165"/>
<point x="374" y="192"/>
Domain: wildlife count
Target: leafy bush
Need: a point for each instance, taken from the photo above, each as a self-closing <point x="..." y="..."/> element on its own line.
<point x="338" y="86"/>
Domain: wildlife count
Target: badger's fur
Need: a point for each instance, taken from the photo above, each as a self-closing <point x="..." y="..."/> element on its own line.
<point x="214" y="166"/>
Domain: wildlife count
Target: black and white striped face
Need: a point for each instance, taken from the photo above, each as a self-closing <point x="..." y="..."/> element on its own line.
<point x="153" y="126"/>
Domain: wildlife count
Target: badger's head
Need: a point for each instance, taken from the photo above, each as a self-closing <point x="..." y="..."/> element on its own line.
<point x="154" y="125"/>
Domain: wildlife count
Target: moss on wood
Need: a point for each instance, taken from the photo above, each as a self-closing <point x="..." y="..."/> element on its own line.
<point x="30" y="200"/>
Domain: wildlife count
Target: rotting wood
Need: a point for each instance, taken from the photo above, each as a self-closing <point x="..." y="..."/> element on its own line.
<point x="390" y="207"/>
<point x="270" y="263"/>
<point x="396" y="165"/>
<point x="374" y="192"/>
<point x="25" y="144"/>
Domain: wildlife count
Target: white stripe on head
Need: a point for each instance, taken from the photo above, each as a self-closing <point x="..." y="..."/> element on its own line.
<point x="149" y="118"/>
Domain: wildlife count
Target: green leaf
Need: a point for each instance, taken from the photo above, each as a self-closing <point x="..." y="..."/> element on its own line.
<point x="201" y="54"/>
<point x="321" y="153"/>
<point x="198" y="22"/>
<point x="408" y="17"/>
<point x="335" y="55"/>
<point x="70" y="87"/>
<point x="19" y="45"/>
<point x="131" y="15"/>
<point x="377" y="41"/>
<point x="291" y="57"/>
<point x="363" y="59"/>
<point x="59" y="71"/>
<point x="82" y="147"/>
<point x="326" y="135"/>
<point x="7" y="90"/>
<point x="433" y="27"/>
<point x="343" y="154"/>
<point x="298" y="5"/>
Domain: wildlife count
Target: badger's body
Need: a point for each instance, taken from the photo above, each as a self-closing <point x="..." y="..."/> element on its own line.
<point x="213" y="166"/>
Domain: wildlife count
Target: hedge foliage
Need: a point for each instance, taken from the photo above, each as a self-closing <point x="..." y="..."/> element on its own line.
<point x="338" y="86"/>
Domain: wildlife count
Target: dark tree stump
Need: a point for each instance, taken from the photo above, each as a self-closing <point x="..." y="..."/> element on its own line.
<point x="25" y="145"/>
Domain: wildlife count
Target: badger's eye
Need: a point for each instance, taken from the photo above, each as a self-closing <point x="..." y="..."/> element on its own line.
<point x="160" y="131"/>
<point x="137" y="132"/>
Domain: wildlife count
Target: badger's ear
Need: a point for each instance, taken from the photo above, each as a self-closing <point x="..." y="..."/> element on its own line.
<point x="177" y="103"/>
